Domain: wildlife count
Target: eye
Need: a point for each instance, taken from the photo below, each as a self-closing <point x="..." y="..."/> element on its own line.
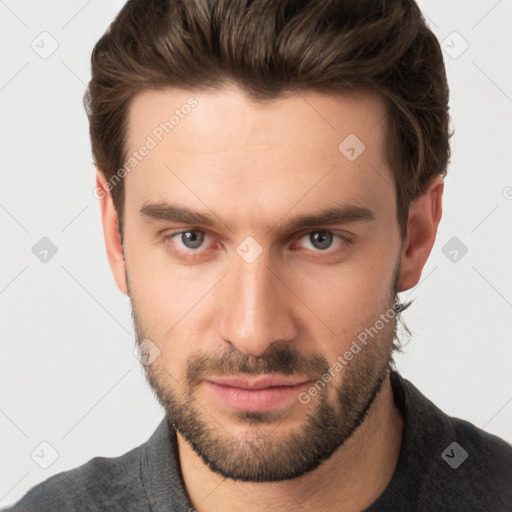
<point x="186" y="243"/>
<point x="321" y="241"/>
<point x="190" y="240"/>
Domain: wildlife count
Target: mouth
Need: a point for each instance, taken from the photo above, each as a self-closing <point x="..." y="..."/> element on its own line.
<point x="261" y="393"/>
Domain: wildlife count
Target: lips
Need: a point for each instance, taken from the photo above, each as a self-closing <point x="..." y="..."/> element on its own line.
<point x="259" y="382"/>
<point x="261" y="393"/>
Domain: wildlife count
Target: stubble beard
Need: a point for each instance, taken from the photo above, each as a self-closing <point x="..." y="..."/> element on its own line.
<point x="262" y="451"/>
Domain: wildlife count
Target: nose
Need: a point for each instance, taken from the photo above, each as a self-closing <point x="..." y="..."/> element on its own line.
<point x="258" y="307"/>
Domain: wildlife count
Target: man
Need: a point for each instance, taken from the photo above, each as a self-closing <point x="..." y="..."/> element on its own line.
<point x="270" y="176"/>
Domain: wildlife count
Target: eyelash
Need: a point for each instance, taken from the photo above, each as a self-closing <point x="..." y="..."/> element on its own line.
<point x="167" y="239"/>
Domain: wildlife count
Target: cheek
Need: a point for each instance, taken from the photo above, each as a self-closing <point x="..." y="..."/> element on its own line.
<point x="169" y="298"/>
<point x="349" y="292"/>
<point x="348" y="298"/>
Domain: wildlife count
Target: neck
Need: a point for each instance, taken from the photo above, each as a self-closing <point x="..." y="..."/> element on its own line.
<point x="349" y="481"/>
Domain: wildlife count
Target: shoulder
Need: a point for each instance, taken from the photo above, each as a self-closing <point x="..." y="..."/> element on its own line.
<point x="473" y="472"/>
<point x="487" y="449"/>
<point x="458" y="466"/>
<point x="101" y="484"/>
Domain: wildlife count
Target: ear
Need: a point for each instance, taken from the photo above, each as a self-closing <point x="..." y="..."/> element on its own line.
<point x="424" y="216"/>
<point x="111" y="232"/>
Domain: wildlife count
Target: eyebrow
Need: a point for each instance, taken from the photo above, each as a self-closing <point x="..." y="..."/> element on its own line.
<point x="341" y="214"/>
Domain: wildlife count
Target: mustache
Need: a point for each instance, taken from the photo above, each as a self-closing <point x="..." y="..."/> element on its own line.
<point x="284" y="360"/>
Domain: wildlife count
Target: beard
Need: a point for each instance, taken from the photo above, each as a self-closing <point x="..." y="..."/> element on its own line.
<point x="260" y="452"/>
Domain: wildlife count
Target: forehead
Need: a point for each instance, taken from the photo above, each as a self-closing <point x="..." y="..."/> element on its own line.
<point x="235" y="119"/>
<point x="305" y="146"/>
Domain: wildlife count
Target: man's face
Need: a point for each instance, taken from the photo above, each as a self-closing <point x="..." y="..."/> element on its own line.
<point x="252" y="294"/>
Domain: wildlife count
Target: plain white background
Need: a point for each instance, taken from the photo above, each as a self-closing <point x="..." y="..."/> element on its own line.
<point x="68" y="376"/>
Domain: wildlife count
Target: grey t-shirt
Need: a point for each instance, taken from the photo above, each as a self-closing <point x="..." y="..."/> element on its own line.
<point x="445" y="464"/>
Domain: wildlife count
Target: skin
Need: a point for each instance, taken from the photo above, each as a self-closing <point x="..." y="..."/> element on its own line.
<point x="256" y="166"/>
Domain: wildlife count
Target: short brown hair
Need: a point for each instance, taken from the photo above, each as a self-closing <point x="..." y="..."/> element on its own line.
<point x="270" y="48"/>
